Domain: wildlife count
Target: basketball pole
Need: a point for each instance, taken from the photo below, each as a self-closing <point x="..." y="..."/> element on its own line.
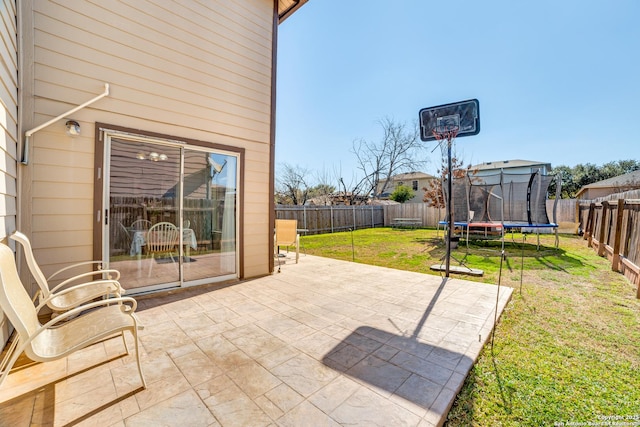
<point x="446" y="122"/>
<point x="449" y="207"/>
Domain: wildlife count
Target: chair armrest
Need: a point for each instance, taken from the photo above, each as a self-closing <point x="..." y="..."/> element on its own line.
<point x="55" y="291"/>
<point x="80" y="309"/>
<point x="90" y="274"/>
<point x="79" y="264"/>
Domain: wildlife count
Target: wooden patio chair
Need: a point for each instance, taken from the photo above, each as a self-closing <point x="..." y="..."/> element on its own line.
<point x="74" y="291"/>
<point x="141" y="225"/>
<point x="287" y="235"/>
<point x="66" y="333"/>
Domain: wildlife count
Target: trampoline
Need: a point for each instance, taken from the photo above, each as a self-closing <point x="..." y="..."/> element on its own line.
<point x="490" y="204"/>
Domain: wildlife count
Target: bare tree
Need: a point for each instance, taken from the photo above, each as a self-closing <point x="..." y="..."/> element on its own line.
<point x="292" y="186"/>
<point x="397" y="151"/>
<point x="433" y="193"/>
<point x="322" y="191"/>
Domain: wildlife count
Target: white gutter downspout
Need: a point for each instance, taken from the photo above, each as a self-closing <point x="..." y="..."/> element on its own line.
<point x="27" y="134"/>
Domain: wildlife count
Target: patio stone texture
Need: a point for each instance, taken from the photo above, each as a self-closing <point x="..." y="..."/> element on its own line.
<point x="322" y="343"/>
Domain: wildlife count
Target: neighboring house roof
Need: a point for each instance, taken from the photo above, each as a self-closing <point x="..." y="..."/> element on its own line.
<point x="287" y="7"/>
<point x="409" y="176"/>
<point x="412" y="175"/>
<point x="628" y="181"/>
<point x="506" y="164"/>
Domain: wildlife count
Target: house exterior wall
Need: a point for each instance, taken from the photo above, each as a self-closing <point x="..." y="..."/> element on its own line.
<point x="194" y="70"/>
<point x="594" y="193"/>
<point x="423" y="182"/>
<point x="419" y="193"/>
<point x="8" y="129"/>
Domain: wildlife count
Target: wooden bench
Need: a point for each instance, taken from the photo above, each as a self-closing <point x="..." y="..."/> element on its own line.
<point x="406" y="222"/>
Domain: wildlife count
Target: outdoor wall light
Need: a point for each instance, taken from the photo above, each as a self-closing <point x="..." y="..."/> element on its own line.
<point x="153" y="156"/>
<point x="73" y="128"/>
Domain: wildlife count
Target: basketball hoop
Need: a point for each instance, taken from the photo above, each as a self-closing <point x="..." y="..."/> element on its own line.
<point x="450" y="120"/>
<point x="447" y="127"/>
<point x="446" y="122"/>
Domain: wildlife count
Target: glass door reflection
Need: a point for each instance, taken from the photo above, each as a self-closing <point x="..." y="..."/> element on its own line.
<point x="209" y="215"/>
<point x="143" y="211"/>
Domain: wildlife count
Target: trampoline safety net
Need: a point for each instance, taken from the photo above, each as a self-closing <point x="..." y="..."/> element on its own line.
<point x="501" y="197"/>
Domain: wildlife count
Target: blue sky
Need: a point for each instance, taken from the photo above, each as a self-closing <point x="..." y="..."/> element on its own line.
<point x="557" y="81"/>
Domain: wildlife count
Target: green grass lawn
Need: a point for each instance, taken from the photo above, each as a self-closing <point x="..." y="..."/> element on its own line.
<point x="567" y="347"/>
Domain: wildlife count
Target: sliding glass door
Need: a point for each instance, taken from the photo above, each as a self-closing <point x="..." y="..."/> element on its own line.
<point x="172" y="213"/>
<point x="209" y="215"/>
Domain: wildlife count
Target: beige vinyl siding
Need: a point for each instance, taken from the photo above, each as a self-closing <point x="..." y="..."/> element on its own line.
<point x="8" y="129"/>
<point x="198" y="70"/>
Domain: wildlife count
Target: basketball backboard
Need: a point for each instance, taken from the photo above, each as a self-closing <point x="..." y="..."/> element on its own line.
<point x="462" y="116"/>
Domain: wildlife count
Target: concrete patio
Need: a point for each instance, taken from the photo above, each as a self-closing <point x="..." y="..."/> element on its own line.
<point x="323" y="342"/>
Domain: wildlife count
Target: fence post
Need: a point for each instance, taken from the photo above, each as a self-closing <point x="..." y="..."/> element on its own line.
<point x="615" y="262"/>
<point x="373" y="224"/>
<point x="603" y="217"/>
<point x="576" y="212"/>
<point x="331" y="212"/>
<point x="589" y="227"/>
<point x="304" y="218"/>
<point x="353" y="210"/>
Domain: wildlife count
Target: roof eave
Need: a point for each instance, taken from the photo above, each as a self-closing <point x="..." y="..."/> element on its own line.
<point x="290" y="10"/>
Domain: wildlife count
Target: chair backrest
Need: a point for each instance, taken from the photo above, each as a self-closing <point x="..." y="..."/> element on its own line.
<point x="162" y="237"/>
<point x="286" y="231"/>
<point x="14" y="299"/>
<point x="37" y="274"/>
<point x="141" y="225"/>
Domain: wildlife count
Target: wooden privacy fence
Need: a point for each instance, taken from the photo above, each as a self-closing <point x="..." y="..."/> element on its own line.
<point x="428" y="215"/>
<point x="329" y="219"/>
<point x="612" y="228"/>
<point x="565" y="210"/>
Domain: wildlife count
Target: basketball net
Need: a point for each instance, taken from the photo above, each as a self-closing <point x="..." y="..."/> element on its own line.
<point x="442" y="134"/>
<point x="445" y="133"/>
